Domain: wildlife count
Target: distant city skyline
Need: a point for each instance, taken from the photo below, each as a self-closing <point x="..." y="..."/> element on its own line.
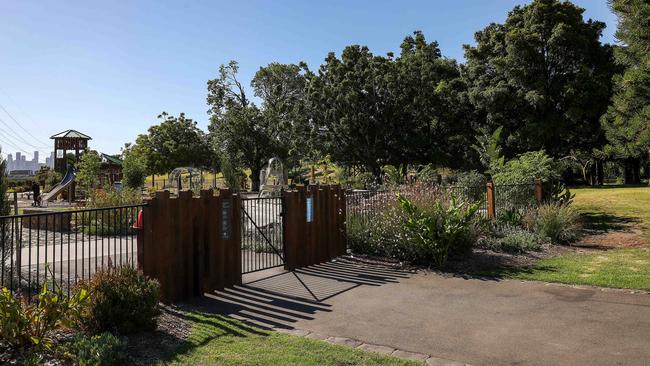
<point x="18" y="161"/>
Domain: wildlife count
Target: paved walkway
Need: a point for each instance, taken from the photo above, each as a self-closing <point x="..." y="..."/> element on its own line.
<point x="471" y="321"/>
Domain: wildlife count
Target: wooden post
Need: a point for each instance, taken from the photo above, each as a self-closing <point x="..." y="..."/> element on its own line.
<point x="538" y="191"/>
<point x="491" y="207"/>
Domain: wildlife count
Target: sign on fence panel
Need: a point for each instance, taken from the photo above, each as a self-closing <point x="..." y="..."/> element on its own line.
<point x="310" y="209"/>
<point x="226" y="216"/>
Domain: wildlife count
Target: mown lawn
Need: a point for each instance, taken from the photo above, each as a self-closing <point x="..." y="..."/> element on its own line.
<point x="221" y="340"/>
<point x="621" y="268"/>
<point x="619" y="203"/>
<point x="606" y="209"/>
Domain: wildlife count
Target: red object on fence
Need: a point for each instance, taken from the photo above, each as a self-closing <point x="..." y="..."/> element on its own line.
<point x="138" y="222"/>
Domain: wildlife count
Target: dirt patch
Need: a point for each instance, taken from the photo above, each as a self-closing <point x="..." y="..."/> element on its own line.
<point x="628" y="237"/>
<point x="149" y="347"/>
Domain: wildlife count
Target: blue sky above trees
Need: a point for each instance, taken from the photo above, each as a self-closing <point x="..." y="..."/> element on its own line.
<point x="109" y="69"/>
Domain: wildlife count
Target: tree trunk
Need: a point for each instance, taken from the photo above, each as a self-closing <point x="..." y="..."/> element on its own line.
<point x="632" y="171"/>
<point x="255" y="179"/>
<point x="600" y="172"/>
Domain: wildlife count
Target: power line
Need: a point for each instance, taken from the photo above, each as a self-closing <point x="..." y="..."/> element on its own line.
<point x="16" y="136"/>
<point x="8" y="141"/>
<point x="25" y="113"/>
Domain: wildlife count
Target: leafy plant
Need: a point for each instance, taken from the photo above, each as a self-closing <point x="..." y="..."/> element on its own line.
<point x="29" y="324"/>
<point x="103" y="349"/>
<point x="510" y="217"/>
<point x="559" y="223"/>
<point x="123" y="300"/>
<point x="134" y="170"/>
<point x="438" y="232"/>
<point x="511" y="239"/>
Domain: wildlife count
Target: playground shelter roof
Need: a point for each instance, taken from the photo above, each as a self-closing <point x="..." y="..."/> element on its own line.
<point x="71" y="134"/>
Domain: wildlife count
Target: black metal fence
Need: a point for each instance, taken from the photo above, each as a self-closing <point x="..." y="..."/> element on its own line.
<point x="261" y="233"/>
<point x="60" y="248"/>
<point x="361" y="204"/>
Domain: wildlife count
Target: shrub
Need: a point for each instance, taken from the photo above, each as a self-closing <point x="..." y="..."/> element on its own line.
<point x="104" y="349"/>
<point x="559" y="223"/>
<point x="438" y="231"/>
<point x="123" y="300"/>
<point x="511" y="239"/>
<point x="135" y="171"/>
<point x="526" y="167"/>
<point x="29" y="324"/>
<point x="110" y="222"/>
<point x="111" y="197"/>
<point x="471" y="179"/>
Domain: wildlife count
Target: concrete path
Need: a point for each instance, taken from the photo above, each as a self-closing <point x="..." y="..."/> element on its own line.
<point x="467" y="320"/>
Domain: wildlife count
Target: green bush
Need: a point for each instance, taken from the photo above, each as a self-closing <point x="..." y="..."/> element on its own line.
<point x="526" y="167"/>
<point x="439" y="231"/>
<point x="134" y="170"/>
<point x="110" y="221"/>
<point x="511" y="239"/>
<point x="123" y="300"/>
<point x="104" y="349"/>
<point x="27" y="323"/>
<point x="559" y="223"/>
<point x="471" y="179"/>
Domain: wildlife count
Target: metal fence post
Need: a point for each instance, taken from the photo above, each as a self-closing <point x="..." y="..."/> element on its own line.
<point x="491" y="207"/>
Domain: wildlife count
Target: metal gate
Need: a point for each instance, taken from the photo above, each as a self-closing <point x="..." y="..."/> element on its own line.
<point x="261" y="233"/>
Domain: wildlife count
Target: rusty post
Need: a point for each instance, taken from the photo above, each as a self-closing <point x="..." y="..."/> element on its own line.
<point x="491" y="208"/>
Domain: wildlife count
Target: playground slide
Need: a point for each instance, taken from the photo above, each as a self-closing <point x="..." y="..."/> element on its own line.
<point x="67" y="180"/>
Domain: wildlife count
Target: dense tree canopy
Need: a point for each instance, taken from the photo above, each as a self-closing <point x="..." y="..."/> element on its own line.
<point x="541" y="81"/>
<point x="544" y="76"/>
<point x="175" y="142"/>
<point x="627" y="121"/>
<point x="377" y="110"/>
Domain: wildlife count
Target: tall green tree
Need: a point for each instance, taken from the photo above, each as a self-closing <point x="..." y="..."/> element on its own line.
<point x="351" y="104"/>
<point x="89" y="169"/>
<point x="378" y="110"/>
<point x="544" y="76"/>
<point x="247" y="135"/>
<point x="627" y="121"/>
<point x="175" y="142"/>
<point x="433" y="108"/>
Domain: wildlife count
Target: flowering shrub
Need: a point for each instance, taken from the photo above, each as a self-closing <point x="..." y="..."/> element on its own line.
<point x="419" y="224"/>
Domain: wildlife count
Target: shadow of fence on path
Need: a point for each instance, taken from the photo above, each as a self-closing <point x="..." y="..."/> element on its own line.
<point x="281" y="300"/>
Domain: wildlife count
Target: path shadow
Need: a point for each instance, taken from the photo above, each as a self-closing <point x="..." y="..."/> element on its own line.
<point x="283" y="299"/>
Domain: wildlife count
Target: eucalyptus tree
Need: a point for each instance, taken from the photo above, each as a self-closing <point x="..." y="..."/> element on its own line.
<point x="248" y="135"/>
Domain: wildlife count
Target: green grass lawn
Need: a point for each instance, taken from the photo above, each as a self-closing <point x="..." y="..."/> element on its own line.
<point x="221" y="340"/>
<point x="604" y="209"/>
<point x="620" y="204"/>
<point x="621" y="268"/>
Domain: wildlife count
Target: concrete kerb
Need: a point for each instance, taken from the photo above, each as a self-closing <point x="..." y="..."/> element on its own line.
<point x="368" y="347"/>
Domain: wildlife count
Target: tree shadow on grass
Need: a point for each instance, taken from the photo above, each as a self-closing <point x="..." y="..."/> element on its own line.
<point x="599" y="222"/>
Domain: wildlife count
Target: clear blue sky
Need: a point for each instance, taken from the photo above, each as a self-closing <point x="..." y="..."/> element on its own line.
<point x="108" y="68"/>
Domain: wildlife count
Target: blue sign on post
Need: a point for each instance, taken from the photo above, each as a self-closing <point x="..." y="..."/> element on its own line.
<point x="310" y="209"/>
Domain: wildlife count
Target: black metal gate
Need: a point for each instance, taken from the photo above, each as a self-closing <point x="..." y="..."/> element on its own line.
<point x="261" y="233"/>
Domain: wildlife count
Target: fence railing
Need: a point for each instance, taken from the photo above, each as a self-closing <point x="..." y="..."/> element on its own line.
<point x="60" y="248"/>
<point x="493" y="199"/>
